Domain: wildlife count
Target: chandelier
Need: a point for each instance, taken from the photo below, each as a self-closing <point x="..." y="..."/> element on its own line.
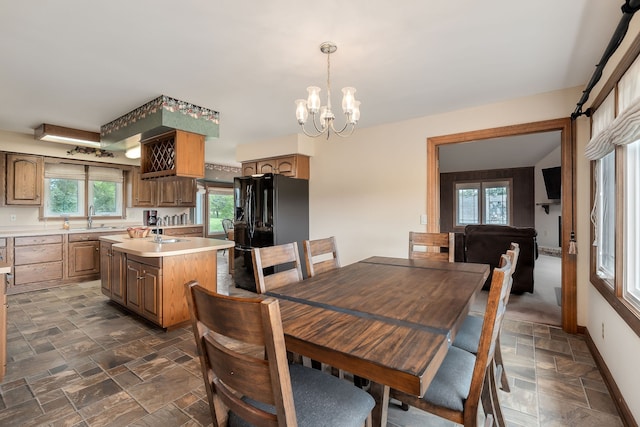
<point x="311" y="105"/>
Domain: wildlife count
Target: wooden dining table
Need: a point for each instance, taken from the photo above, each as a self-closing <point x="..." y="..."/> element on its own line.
<point x="389" y="320"/>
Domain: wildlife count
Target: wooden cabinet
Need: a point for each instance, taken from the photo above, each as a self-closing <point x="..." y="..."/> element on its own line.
<point x="36" y="259"/>
<point x="112" y="269"/>
<point x="144" y="287"/>
<point x="143" y="192"/>
<point x="176" y="153"/>
<point x="249" y="168"/>
<point x="3" y="250"/>
<point x="195" y="231"/>
<point x="25" y="178"/>
<point x="83" y="255"/>
<point x="296" y="166"/>
<point x="4" y="268"/>
<point x="178" y="192"/>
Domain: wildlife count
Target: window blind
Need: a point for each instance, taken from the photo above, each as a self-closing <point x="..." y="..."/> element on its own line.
<point x="97" y="173"/>
<point x="64" y="171"/>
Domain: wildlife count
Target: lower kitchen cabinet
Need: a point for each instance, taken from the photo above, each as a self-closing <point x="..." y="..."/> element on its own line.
<point x="84" y="258"/>
<point x="36" y="260"/>
<point x="144" y="287"/>
<point x="112" y="269"/>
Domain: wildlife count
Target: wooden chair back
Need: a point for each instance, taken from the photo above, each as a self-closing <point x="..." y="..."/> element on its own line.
<point x="286" y="261"/>
<point x="432" y="245"/>
<point x="494" y="313"/>
<point x="242" y="355"/>
<point x="320" y="255"/>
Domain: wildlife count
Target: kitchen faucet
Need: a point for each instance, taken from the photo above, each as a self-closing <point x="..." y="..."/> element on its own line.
<point x="92" y="212"/>
<point x="157" y="238"/>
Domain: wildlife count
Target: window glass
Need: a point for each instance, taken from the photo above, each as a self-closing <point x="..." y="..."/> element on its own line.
<point x="605" y="230"/>
<point x="632" y="217"/>
<point x="220" y="206"/>
<point x="482" y="203"/>
<point x="64" y="190"/>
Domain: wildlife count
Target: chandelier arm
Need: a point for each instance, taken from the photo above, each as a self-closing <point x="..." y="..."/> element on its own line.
<point x="342" y="133"/>
<point x="309" y="134"/>
<point x="321" y="129"/>
<point x="347" y="123"/>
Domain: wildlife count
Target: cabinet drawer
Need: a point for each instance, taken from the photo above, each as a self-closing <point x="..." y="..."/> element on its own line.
<point x="38" y="240"/>
<point x="3" y="242"/>
<point x="37" y="273"/>
<point x="37" y="254"/>
<point x="184" y="231"/>
<point x="152" y="261"/>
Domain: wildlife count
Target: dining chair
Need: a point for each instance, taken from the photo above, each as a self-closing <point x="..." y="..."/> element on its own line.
<point x="320" y="255"/>
<point x="468" y="336"/>
<point x="227" y="225"/>
<point x="286" y="263"/>
<point x="464" y="379"/>
<point x="423" y="245"/>
<point x="248" y="381"/>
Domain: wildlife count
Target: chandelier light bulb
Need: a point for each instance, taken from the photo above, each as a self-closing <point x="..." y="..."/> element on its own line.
<point x="301" y="111"/>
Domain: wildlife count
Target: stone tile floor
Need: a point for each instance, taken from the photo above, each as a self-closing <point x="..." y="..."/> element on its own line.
<point x="76" y="359"/>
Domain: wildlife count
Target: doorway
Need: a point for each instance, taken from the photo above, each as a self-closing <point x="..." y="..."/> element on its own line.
<point x="567" y="142"/>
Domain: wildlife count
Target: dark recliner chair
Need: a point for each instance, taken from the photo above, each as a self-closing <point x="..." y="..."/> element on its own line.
<point x="485" y="243"/>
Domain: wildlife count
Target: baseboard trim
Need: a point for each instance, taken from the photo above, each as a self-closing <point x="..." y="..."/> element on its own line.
<point x="614" y="391"/>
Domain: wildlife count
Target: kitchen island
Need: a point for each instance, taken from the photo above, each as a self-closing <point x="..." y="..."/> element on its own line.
<point x="148" y="277"/>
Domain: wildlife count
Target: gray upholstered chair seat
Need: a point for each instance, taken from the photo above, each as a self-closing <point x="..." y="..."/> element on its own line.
<point x="321" y="400"/>
<point x="468" y="336"/>
<point x="450" y="386"/>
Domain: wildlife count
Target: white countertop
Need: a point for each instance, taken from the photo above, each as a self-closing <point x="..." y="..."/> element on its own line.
<point x="41" y="231"/>
<point x="146" y="247"/>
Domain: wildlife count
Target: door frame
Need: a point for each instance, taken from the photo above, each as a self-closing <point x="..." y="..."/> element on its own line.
<point x="567" y="143"/>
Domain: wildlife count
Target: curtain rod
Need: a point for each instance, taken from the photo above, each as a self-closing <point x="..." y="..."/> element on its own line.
<point x="628" y="9"/>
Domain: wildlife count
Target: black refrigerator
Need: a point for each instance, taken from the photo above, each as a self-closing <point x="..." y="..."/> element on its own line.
<point x="270" y="210"/>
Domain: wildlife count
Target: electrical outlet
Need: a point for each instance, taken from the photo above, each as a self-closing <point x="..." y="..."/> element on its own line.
<point x="423" y="219"/>
<point x="602" y="330"/>
<point x="13" y="217"/>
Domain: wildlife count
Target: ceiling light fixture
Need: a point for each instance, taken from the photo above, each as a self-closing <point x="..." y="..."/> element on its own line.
<point x="64" y="135"/>
<point x="133" y="152"/>
<point x="350" y="106"/>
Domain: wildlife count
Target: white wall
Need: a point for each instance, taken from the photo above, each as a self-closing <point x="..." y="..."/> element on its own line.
<point x="546" y="223"/>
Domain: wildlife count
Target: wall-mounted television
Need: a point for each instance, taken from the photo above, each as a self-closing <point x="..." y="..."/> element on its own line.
<point x="552" y="182"/>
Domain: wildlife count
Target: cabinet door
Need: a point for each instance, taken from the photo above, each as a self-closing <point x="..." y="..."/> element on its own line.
<point x="84" y="258"/>
<point x="143" y="192"/>
<point x="286" y="166"/>
<point x="24" y="179"/>
<point x="105" y="268"/>
<point x="3" y="327"/>
<point x="186" y="189"/>
<point x="167" y="193"/>
<point x="249" y="168"/>
<point x="151" y="284"/>
<point x="134" y="289"/>
<point x="118" y="281"/>
<point x="267" y="166"/>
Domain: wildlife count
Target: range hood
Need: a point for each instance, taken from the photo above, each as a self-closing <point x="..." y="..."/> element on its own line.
<point x="158" y="116"/>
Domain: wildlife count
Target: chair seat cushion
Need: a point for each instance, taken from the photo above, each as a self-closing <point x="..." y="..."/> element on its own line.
<point x="468" y="337"/>
<point x="321" y="400"/>
<point x="450" y="387"/>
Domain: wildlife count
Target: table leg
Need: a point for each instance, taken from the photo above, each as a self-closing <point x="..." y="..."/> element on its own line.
<point x="380" y="394"/>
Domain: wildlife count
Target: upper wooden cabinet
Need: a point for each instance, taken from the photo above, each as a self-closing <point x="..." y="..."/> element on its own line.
<point x="143" y="192"/>
<point x="177" y="192"/>
<point x="25" y="178"/>
<point x="295" y="165"/>
<point x="176" y="153"/>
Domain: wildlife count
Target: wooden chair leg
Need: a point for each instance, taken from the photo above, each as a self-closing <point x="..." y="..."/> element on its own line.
<point x="504" y="381"/>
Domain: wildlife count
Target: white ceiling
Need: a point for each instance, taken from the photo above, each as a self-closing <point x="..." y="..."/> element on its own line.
<point x="81" y="63"/>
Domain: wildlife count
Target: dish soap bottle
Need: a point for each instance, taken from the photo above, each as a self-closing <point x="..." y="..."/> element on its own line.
<point x="66" y="223"/>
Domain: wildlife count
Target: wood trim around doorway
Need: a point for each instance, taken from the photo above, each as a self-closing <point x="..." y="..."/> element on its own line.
<point x="567" y="142"/>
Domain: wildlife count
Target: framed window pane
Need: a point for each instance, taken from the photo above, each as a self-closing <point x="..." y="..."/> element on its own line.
<point x="606" y="202"/>
<point x="496" y="204"/>
<point x="220" y="206"/>
<point x="632" y="231"/>
<point x="106" y="197"/>
<point x="63" y="197"/>
<point x="467" y="204"/>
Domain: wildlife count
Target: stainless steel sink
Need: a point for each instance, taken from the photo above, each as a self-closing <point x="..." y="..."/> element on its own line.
<point x="170" y="240"/>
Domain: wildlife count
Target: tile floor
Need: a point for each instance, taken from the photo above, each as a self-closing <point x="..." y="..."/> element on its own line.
<point x="75" y="359"/>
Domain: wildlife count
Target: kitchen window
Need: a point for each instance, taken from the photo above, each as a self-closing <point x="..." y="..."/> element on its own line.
<point x="69" y="190"/>
<point x="486" y="202"/>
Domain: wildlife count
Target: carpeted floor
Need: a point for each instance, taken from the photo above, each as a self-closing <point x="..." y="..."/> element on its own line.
<point x="543" y="305"/>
